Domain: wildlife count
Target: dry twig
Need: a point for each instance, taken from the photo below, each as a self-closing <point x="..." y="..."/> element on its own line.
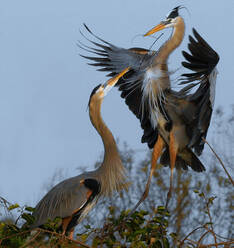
<point x="65" y="237"/>
<point x="217" y="156"/>
<point x="186" y="237"/>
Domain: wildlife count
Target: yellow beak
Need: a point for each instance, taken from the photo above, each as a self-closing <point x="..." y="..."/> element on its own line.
<point x="111" y="82"/>
<point x="157" y="28"/>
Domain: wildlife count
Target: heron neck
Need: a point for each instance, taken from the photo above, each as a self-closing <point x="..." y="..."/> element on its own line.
<point x="105" y="133"/>
<point x="111" y="172"/>
<point x="170" y="45"/>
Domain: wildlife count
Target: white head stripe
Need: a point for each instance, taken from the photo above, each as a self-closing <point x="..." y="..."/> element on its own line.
<point x="107" y="89"/>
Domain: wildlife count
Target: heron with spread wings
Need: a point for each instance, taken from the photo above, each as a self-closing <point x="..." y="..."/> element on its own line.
<point x="174" y="122"/>
<point x="73" y="198"/>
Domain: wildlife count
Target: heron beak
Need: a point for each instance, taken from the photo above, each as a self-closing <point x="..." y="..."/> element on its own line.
<point x="111" y="82"/>
<point x="114" y="80"/>
<point x="157" y="28"/>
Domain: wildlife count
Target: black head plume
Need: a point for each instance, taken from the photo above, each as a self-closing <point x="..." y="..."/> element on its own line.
<point x="93" y="92"/>
<point x="174" y="13"/>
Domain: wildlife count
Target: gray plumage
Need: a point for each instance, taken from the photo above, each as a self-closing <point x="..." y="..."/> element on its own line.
<point x="62" y="200"/>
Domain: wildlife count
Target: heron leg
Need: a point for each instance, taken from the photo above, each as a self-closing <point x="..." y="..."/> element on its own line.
<point x="157" y="150"/>
<point x="173" y="148"/>
<point x="70" y="236"/>
<point x="65" y="223"/>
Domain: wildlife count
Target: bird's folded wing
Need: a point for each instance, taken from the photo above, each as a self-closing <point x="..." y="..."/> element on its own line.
<point x="61" y="201"/>
<point x="202" y="60"/>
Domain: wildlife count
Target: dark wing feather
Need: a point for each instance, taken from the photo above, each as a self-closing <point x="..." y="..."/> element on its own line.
<point x="114" y="59"/>
<point x="132" y="93"/>
<point x="202" y="61"/>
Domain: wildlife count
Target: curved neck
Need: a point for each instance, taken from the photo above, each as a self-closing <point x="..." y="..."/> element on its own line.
<point x="170" y="45"/>
<point x="105" y="133"/>
<point x="111" y="172"/>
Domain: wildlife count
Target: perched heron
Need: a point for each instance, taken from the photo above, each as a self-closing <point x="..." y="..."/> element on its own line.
<point x="174" y="122"/>
<point x="73" y="198"/>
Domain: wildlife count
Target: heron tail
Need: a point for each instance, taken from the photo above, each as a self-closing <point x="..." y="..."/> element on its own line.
<point x="184" y="159"/>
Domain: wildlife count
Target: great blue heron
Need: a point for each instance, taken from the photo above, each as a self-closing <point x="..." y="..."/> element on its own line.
<point x="174" y="123"/>
<point x="73" y="198"/>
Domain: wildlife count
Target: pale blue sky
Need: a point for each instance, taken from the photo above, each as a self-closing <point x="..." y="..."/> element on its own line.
<point x="45" y="85"/>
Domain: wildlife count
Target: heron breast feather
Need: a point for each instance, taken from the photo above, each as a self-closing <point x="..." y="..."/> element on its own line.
<point x="153" y="74"/>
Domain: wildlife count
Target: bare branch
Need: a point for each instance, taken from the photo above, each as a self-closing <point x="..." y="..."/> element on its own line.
<point x="229" y="176"/>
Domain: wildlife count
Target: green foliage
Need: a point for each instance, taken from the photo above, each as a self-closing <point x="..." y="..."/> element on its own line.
<point x="11" y="235"/>
<point x="138" y="230"/>
<point x="141" y="229"/>
<point x="14" y="206"/>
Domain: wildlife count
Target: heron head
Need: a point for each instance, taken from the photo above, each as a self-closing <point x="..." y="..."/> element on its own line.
<point x="96" y="90"/>
<point x="170" y="21"/>
<point x="101" y="90"/>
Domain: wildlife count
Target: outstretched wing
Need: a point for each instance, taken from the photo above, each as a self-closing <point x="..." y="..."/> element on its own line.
<point x="202" y="61"/>
<point x="113" y="60"/>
